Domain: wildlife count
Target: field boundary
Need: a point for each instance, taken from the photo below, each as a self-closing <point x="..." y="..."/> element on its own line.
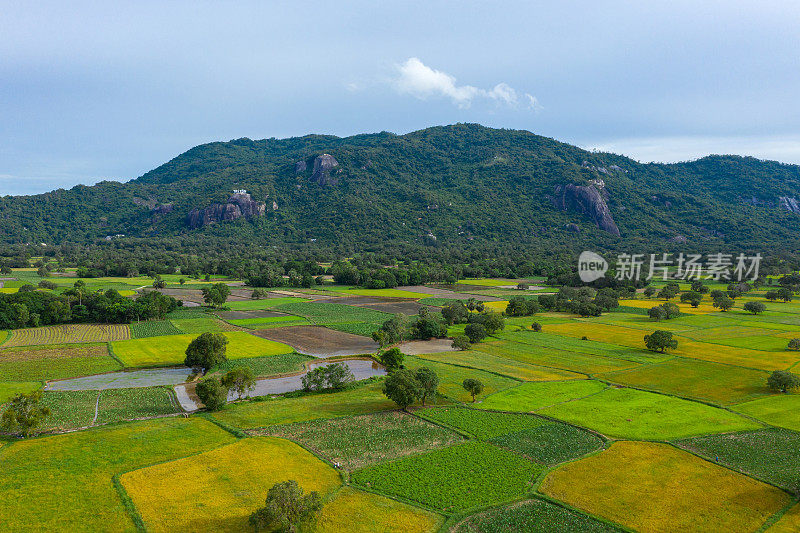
<point x="127" y="503"/>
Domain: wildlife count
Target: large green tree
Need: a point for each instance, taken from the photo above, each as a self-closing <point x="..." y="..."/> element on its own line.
<point x="206" y="351"/>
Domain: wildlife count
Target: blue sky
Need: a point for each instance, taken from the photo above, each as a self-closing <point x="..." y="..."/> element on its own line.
<point x="110" y="90"/>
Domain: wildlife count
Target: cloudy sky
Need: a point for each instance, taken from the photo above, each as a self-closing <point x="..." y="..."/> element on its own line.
<point x="110" y="90"/>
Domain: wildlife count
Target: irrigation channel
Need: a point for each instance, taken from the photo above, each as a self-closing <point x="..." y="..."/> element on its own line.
<point x="176" y="376"/>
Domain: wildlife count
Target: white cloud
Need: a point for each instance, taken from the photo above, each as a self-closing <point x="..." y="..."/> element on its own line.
<point x="421" y="81"/>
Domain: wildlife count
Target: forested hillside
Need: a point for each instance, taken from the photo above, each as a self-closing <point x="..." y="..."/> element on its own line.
<point x="462" y="185"/>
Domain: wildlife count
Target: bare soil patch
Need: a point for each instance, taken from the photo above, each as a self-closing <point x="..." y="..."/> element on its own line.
<point x="318" y="341"/>
<point x="241" y="315"/>
<point x="431" y="346"/>
<point x="445" y="293"/>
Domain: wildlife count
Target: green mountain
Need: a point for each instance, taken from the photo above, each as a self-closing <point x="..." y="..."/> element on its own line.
<point x="459" y="185"/>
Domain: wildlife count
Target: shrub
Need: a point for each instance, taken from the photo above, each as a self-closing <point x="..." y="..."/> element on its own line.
<point x="536" y="326"/>
<point x="754" y="307"/>
<point x="783" y="381"/>
<point x="461" y="342"/>
<point x="794" y="344"/>
<point x="475" y="332"/>
<point x="212" y="393"/>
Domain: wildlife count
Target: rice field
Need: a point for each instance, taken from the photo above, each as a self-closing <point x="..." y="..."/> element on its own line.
<point x="781" y="410"/>
<point x="196" y="326"/>
<point x="171" y="349"/>
<point x="356" y="511"/>
<point x="530" y="397"/>
<point x="265" y="303"/>
<point x="635" y="414"/>
<point x="451" y="379"/>
<point x="654" y="487"/>
<point x="173" y="496"/>
<point x="714" y="382"/>
<point x="68" y="334"/>
<point x="364" y="399"/>
<point x="44" y="363"/>
<point x="78" y="494"/>
<point x="500" y="365"/>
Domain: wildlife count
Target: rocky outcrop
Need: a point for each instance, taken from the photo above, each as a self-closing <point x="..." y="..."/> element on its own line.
<point x="238" y="205"/>
<point x="323" y="168"/>
<point x="300" y="167"/>
<point x="586" y="200"/>
<point x="789" y="204"/>
<point x="163" y="209"/>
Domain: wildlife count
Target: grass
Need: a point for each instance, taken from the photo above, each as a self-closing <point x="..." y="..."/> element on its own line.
<point x="722" y="384"/>
<point x="481" y="424"/>
<point x="358" y="441"/>
<point x="655" y="487"/>
<point x="268" y="366"/>
<point x="68" y="334"/>
<point x="453" y="479"/>
<point x="452" y="377"/>
<point x="174" y="496"/>
<point x="533" y="396"/>
<point x="532" y="516"/>
<point x="10" y="389"/>
<point x="768" y="454"/>
<point x="266" y="303"/>
<point x="63" y="482"/>
<point x="44" y="363"/>
<point x="153" y="328"/>
<point x="282" y="410"/>
<point x="634" y="414"/>
<point x="779" y="410"/>
<point x="500" y="365"/>
<point x="378" y="293"/>
<point x="171" y="350"/>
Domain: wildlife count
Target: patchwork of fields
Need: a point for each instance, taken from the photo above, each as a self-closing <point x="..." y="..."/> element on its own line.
<point x="578" y="427"/>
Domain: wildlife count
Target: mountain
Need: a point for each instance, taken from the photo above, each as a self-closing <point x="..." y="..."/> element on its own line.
<point x="459" y="185"/>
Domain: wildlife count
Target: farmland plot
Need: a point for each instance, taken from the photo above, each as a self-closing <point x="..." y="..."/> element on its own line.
<point x="532" y="516"/>
<point x="653" y="487"/>
<point x="68" y="334"/>
<point x="43" y="363"/>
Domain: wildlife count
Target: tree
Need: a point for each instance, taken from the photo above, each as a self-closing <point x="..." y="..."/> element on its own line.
<point x="241" y="380"/>
<point x="475" y="332"/>
<point x="24" y="414"/>
<point x="783" y="381"/>
<point x="692" y="297"/>
<point x="330" y="376"/>
<point x="536" y="327"/>
<point x="784" y="294"/>
<point x="392" y="359"/>
<point x="212" y="393"/>
<point x="794" y="344"/>
<point x="47" y="284"/>
<point x="182" y="281"/>
<point x="657" y="313"/>
<point x="206" y="351"/>
<point x="392" y="331"/>
<point x="461" y="342"/>
<point x="723" y="303"/>
<point x="216" y="295"/>
<point x="754" y="307"/>
<point x="697" y="286"/>
<point x="159" y="283"/>
<point x="287" y="509"/>
<point x="649" y="291"/>
<point x="402" y="387"/>
<point x="428" y="383"/>
<point x="660" y="341"/>
<point x="473" y="386"/>
<point x="43" y="271"/>
<point x="455" y="313"/>
<point x="669" y="291"/>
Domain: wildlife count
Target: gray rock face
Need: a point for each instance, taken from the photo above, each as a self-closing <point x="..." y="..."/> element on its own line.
<point x="300" y="167"/>
<point x="586" y="200"/>
<point x="679" y="239"/>
<point x="323" y="165"/>
<point x="238" y="205"/>
<point x="789" y="204"/>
